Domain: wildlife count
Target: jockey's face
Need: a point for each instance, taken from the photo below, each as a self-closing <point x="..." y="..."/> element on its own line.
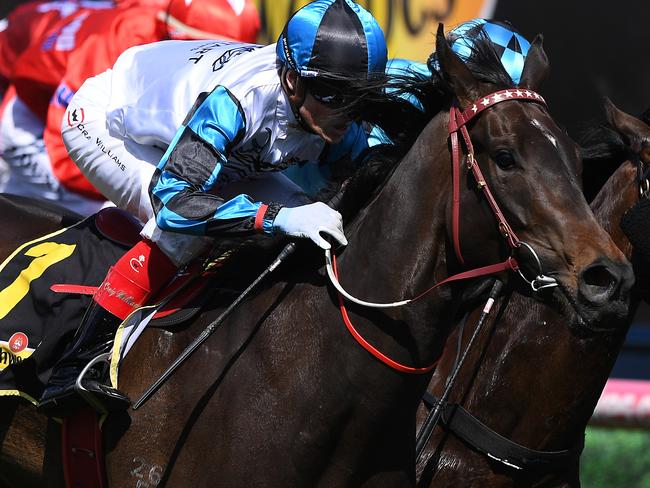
<point x="324" y="119"/>
<point x="319" y="114"/>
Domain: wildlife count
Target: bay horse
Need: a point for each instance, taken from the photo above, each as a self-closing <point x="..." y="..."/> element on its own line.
<point x="281" y="395"/>
<point x="533" y="375"/>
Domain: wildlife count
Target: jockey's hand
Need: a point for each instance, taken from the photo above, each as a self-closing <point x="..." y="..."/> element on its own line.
<point x="309" y="221"/>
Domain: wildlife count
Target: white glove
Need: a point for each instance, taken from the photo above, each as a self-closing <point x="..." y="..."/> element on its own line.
<point x="309" y="221"/>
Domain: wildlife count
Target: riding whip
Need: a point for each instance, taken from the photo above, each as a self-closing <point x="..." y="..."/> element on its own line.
<point x="285" y="253"/>
<point x="434" y="415"/>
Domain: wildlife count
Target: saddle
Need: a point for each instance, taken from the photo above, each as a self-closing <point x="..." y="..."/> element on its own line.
<point x="190" y="289"/>
<point x="46" y="285"/>
<point x="81" y="436"/>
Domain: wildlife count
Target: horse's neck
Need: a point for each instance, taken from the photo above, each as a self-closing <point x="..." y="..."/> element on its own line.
<point x="399" y="238"/>
<point x="397" y="250"/>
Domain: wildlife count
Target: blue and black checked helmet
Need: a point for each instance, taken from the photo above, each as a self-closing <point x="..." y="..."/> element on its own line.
<point x="333" y="38"/>
<point x="510" y="46"/>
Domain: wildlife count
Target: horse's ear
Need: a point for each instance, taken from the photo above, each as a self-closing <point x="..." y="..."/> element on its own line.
<point x="536" y="66"/>
<point x="635" y="132"/>
<point x="455" y="71"/>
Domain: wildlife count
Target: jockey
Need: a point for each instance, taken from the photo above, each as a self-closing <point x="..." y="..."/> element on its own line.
<point x="48" y="73"/>
<point x="191" y="136"/>
<point x="508" y="43"/>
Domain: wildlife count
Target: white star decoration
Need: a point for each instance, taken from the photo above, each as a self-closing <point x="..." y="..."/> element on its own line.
<point x="500" y="96"/>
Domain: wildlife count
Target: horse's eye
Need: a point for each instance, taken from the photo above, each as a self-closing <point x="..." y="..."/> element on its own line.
<point x="504" y="159"/>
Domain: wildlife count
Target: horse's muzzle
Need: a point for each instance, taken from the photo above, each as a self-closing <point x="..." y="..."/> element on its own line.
<point x="604" y="290"/>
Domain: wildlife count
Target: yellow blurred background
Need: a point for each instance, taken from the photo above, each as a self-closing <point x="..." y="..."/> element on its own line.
<point x="409" y="25"/>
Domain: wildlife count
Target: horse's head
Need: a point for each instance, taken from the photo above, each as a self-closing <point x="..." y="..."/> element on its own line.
<point x="533" y="171"/>
<point x="631" y="187"/>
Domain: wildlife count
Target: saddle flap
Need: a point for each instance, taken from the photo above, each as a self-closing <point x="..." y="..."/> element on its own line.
<point x="118" y="226"/>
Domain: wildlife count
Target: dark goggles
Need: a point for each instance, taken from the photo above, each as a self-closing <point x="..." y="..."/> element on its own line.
<point x="328" y="93"/>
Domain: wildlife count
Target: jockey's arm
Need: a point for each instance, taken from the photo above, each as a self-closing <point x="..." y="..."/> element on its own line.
<point x="192" y="166"/>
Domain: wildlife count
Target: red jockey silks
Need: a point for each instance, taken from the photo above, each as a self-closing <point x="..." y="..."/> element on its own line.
<point x="138" y="274"/>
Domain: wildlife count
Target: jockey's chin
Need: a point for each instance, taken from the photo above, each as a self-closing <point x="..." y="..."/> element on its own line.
<point x="334" y="134"/>
<point x="326" y="122"/>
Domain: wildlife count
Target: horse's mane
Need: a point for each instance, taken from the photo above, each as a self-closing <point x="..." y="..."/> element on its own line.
<point x="381" y="100"/>
<point x="600" y="141"/>
<point x="357" y="191"/>
<point x="602" y="150"/>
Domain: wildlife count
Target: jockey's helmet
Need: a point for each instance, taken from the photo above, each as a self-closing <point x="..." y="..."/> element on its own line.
<point x="333" y="39"/>
<point x="508" y="43"/>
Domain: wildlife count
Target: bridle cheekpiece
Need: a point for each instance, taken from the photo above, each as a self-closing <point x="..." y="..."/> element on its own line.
<point x="458" y="120"/>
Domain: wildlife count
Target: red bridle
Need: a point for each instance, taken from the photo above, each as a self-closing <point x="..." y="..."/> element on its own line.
<point x="457" y="123"/>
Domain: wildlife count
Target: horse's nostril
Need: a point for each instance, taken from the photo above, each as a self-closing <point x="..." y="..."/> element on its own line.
<point x="599" y="276"/>
<point x="605" y="280"/>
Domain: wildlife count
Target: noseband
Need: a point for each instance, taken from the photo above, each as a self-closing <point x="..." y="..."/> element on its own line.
<point x="458" y="120"/>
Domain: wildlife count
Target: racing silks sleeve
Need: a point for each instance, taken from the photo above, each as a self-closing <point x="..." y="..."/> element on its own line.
<point x="191" y="166"/>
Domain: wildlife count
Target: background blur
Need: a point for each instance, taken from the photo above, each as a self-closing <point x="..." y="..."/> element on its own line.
<point x="596" y="47"/>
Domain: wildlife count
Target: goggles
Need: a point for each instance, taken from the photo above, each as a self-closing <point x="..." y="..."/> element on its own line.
<point x="330" y="93"/>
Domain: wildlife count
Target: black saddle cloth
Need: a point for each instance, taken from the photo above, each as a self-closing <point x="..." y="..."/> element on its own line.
<point x="36" y="323"/>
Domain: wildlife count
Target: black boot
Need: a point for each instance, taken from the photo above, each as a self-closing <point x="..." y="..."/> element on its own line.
<point x="94" y="337"/>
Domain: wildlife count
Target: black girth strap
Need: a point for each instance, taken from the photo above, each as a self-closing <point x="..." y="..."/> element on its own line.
<point x="484" y="440"/>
